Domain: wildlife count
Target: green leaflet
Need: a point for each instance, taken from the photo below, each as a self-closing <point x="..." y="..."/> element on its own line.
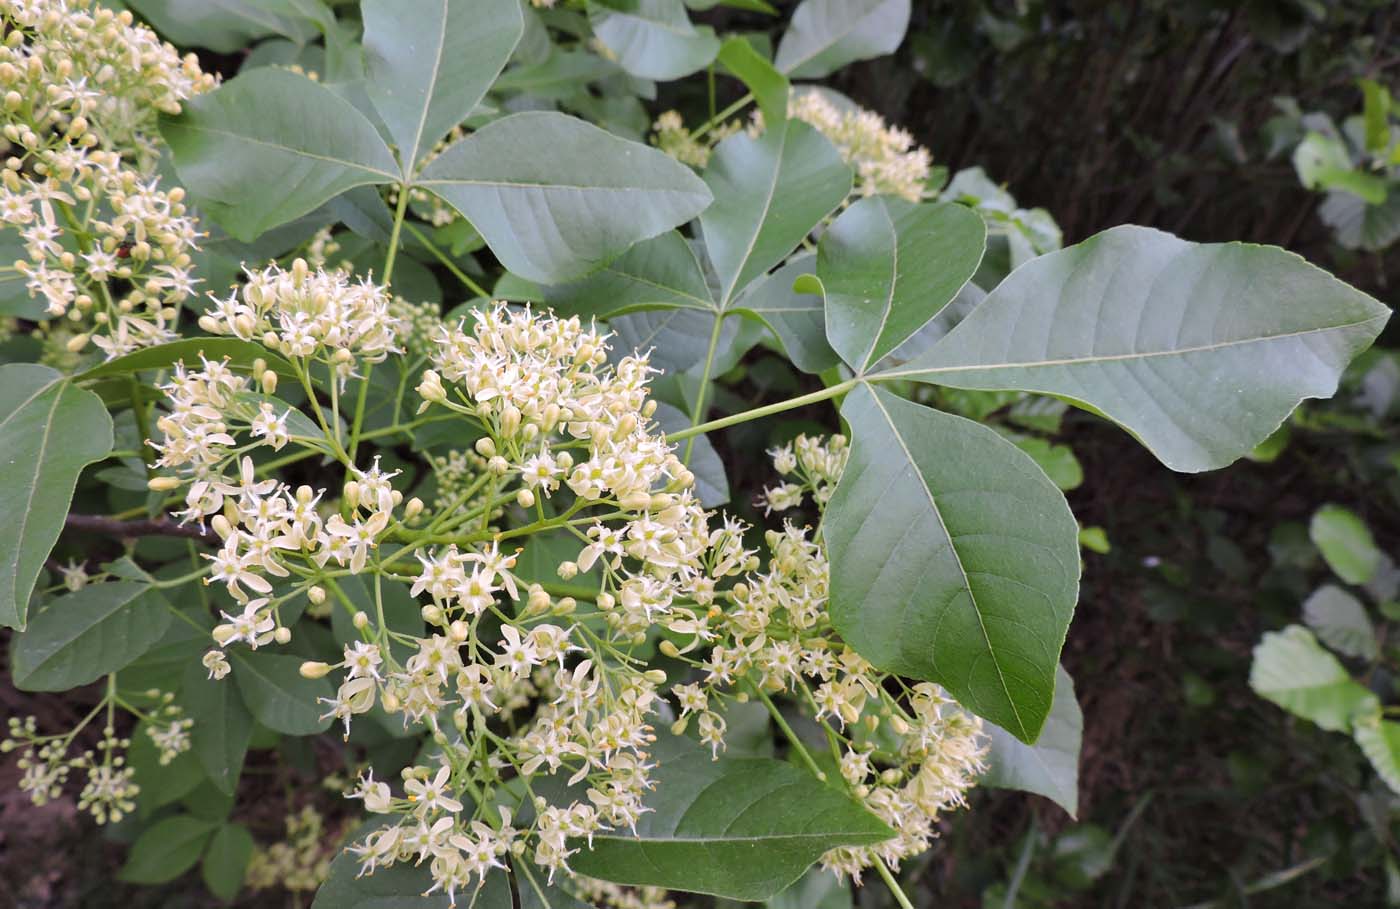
<point x="889" y="267"/>
<point x="556" y="197"/>
<point x="1148" y="330"/>
<point x="431" y="61"/>
<point x="271" y="145"/>
<point x="80" y="637"/>
<point x="742" y="828"/>
<point x="768" y="195"/>
<point x="1050" y="767"/>
<point x="953" y="558"/>
<point x="653" y="39"/>
<point x="49" y="431"/>
<point x="1346" y="543"/>
<point x="825" y="35"/>
<point x="277" y="695"/>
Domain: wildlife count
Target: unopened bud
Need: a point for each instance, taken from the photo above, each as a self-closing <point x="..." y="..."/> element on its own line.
<point x="352" y="495"/>
<point x="77" y="342"/>
<point x="498" y="465"/>
<point x="668" y="648"/>
<point x="432" y="614"/>
<point x="459" y="631"/>
<point x="565" y="606"/>
<point x="636" y="501"/>
<point x="269" y="382"/>
<point x="360" y="621"/>
<point x="525" y="498"/>
<point x="537" y="600"/>
<point x="606" y="602"/>
<point x="485" y="447"/>
<point x="317" y="594"/>
<point x="282" y="635"/>
<point x="221" y="526"/>
<point x="898" y="724"/>
<point x="510" y="420"/>
<point x="314" y="670"/>
<point x="655" y="676"/>
<point x="163" y="484"/>
<point x="413" y="509"/>
<point x="568" y="570"/>
<point x="678" y="727"/>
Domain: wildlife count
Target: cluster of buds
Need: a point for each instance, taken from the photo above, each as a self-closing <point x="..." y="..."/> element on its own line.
<point x="812" y="468"/>
<point x="885" y="158"/>
<point x="301" y="313"/>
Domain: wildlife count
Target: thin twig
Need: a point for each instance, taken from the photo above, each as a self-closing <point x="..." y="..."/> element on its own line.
<point x="155" y="527"/>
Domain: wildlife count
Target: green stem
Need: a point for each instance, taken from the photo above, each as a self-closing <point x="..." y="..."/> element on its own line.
<point x="893" y="884"/>
<point x="143" y="427"/>
<point x="399" y="213"/>
<point x="723" y="115"/>
<point x="788" y="733"/>
<point x="697" y="415"/>
<point x="360" y="411"/>
<point x="767" y="410"/>
<point x="447" y="262"/>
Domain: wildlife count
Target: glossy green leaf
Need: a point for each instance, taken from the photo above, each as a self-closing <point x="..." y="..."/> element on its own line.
<point x="769" y="193"/>
<point x="742" y="828"/>
<point x="1346" y="543"/>
<point x="79" y="637"/>
<point x="661" y="273"/>
<point x="555" y="197"/>
<point x="276" y="694"/>
<point x="798" y="319"/>
<point x="1050" y="767"/>
<point x="226" y="860"/>
<point x="189" y="350"/>
<point x="889" y="267"/>
<point x="49" y="431"/>
<point x="1292" y="670"/>
<point x="1148" y="330"/>
<point x="1339" y="619"/>
<point x="653" y="39"/>
<point x="1380" y="741"/>
<point x="1323" y="162"/>
<point x="825" y="35"/>
<point x="271" y="145"/>
<point x="677" y="339"/>
<point x="223" y="726"/>
<point x="953" y="558"/>
<point x="769" y="87"/>
<point x="431" y="61"/>
<point x="166" y="850"/>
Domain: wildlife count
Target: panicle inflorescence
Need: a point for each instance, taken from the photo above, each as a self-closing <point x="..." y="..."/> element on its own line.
<point x="105" y="246"/>
<point x="886" y="160"/>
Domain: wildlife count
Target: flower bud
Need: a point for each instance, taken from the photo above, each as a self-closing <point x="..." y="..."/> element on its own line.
<point x="565" y="606"/>
<point x="282" y="635"/>
<point x="898" y="724"/>
<point x="413" y="509"/>
<point x="431" y="613"/>
<point x="77" y="342"/>
<point x="316" y="594"/>
<point x="485" y="447"/>
<point x="678" y="727"/>
<point x="163" y="484"/>
<point x="655" y="676"/>
<point x="360" y="621"/>
<point x="314" y="670"/>
<point x="221" y="526"/>
<point x="525" y="498"/>
<point x="668" y="648"/>
<point x="352" y="495"/>
<point x="537" y="600"/>
<point x="269" y="382"/>
<point x="459" y="631"/>
<point x="568" y="570"/>
<point x="636" y="501"/>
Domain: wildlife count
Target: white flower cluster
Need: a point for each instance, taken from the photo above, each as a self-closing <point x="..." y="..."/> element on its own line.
<point x="301" y="862"/>
<point x="104" y="244"/>
<point x="556" y="418"/>
<point x="66" y="61"/>
<point x="671" y="136"/>
<point x="886" y="160"/>
<point x="428" y="206"/>
<point x="309" y="314"/>
<point x="815" y="467"/>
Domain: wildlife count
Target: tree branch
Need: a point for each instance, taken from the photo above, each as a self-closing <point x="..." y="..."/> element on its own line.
<point x="155" y="527"/>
